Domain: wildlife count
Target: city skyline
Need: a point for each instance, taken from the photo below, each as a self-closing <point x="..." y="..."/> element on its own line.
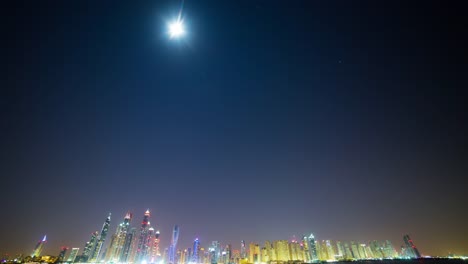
<point x="92" y="249"/>
<point x="236" y="120"/>
<point x="307" y="249"/>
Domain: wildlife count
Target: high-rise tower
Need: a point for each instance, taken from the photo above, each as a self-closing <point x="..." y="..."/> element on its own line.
<point x="154" y="250"/>
<point x="115" y="249"/>
<point x="142" y="247"/>
<point x="63" y="251"/>
<point x="89" y="246"/>
<point x="196" y="251"/>
<point x="73" y="254"/>
<point x="173" y="246"/>
<point x="101" y="239"/>
<point x="39" y="246"/>
<point x="149" y="242"/>
<point x="410" y="247"/>
<point x="127" y="248"/>
<point x="312" y="248"/>
<point x="243" y="251"/>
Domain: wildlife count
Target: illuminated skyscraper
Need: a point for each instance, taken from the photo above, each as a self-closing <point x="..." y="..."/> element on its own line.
<point x="411" y="248"/>
<point x="323" y="251"/>
<point x="265" y="256"/>
<point x="389" y="250"/>
<point x="63" y="251"/>
<point x="173" y="246"/>
<point x="362" y="251"/>
<point x="282" y="250"/>
<point x="340" y="251"/>
<point x="142" y="246"/>
<point x="128" y="245"/>
<point x="89" y="246"/>
<point x="115" y="250"/>
<point x="269" y="252"/>
<point x="355" y="251"/>
<point x="155" y="253"/>
<point x="368" y="251"/>
<point x="73" y="253"/>
<point x="110" y="252"/>
<point x="305" y="248"/>
<point x="257" y="253"/>
<point x="330" y="251"/>
<point x="189" y="255"/>
<point x="227" y="254"/>
<point x="149" y="243"/>
<point x="101" y="239"/>
<point x="213" y="259"/>
<point x="292" y="250"/>
<point x="216" y="252"/>
<point x="312" y="248"/>
<point x="217" y="248"/>
<point x="254" y="253"/>
<point x="348" y="253"/>
<point x="183" y="257"/>
<point x="243" y="251"/>
<point x="196" y="251"/>
<point x="376" y="249"/>
<point x="39" y="246"/>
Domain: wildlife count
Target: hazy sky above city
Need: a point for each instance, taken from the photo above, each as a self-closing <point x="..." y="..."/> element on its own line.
<point x="269" y="119"/>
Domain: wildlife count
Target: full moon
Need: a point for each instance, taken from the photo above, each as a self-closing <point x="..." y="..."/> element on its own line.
<point x="176" y="29"/>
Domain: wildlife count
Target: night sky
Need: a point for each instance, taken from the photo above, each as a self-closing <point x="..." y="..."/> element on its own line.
<point x="269" y="119"/>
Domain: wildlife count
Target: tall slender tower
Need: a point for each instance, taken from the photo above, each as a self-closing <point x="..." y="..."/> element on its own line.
<point x="127" y="248"/>
<point x="73" y="254"/>
<point x="173" y="246"/>
<point x="155" y="253"/>
<point x="63" y="251"/>
<point x="39" y="246"/>
<point x="149" y="243"/>
<point x="101" y="239"/>
<point x="243" y="252"/>
<point x="196" y="251"/>
<point x="142" y="248"/>
<point x="115" y="249"/>
<point x="90" y="245"/>
<point x="155" y="250"/>
<point x="312" y="248"/>
<point x="411" y="247"/>
<point x="228" y="254"/>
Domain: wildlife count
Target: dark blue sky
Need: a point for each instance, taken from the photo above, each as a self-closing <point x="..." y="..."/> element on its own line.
<point x="271" y="119"/>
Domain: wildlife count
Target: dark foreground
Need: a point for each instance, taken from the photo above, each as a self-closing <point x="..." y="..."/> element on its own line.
<point x="411" y="261"/>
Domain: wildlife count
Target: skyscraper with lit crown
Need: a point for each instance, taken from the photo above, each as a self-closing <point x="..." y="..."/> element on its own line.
<point x="173" y="246"/>
<point x="89" y="246"/>
<point x="116" y="246"/>
<point x="243" y="251"/>
<point x="101" y="240"/>
<point x="73" y="254"/>
<point x="39" y="246"/>
<point x="155" y="253"/>
<point x="63" y="251"/>
<point x="410" y="247"/>
<point x="312" y="247"/>
<point x="127" y="253"/>
<point x="196" y="251"/>
<point x="142" y="246"/>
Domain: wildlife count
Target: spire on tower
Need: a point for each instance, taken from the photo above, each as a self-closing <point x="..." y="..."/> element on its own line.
<point x="128" y="215"/>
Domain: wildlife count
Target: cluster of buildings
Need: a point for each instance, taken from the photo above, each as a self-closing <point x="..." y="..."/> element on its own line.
<point x="141" y="245"/>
